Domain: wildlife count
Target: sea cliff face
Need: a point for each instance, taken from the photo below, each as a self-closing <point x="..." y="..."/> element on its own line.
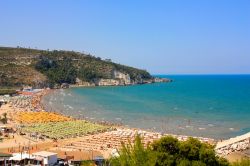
<point x="119" y="79"/>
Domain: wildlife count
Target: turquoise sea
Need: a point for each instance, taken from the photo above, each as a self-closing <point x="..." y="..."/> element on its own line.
<point x="216" y="106"/>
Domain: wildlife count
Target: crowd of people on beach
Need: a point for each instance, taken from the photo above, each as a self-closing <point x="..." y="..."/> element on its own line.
<point x="24" y="101"/>
<point x="111" y="140"/>
<point x="19" y="102"/>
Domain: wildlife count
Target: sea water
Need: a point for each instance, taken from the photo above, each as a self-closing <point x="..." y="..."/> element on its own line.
<point x="216" y="106"/>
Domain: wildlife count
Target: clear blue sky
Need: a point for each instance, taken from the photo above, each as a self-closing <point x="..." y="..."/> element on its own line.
<point x="162" y="36"/>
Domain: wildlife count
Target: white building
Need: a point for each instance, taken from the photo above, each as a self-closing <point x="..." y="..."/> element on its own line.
<point x="23" y="158"/>
<point x="49" y="158"/>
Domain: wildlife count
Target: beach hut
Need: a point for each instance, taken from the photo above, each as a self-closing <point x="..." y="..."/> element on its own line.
<point x="48" y="158"/>
<point x="24" y="159"/>
<point x="20" y="158"/>
<point x="4" y="158"/>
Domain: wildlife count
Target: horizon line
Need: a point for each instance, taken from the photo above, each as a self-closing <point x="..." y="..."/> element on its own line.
<point x="186" y="74"/>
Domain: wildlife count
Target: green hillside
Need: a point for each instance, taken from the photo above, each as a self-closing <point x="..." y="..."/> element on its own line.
<point x="41" y="68"/>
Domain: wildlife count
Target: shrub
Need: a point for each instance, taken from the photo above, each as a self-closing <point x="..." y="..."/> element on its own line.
<point x="168" y="151"/>
<point x="243" y="162"/>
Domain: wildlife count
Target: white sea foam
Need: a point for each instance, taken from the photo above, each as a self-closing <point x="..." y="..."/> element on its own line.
<point x="211" y="125"/>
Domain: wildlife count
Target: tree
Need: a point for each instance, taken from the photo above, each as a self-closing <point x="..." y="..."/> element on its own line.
<point x="168" y="151"/>
<point x="190" y="149"/>
<point x="57" y="71"/>
<point x="87" y="74"/>
<point x="134" y="155"/>
<point x="243" y="162"/>
<point x="167" y="144"/>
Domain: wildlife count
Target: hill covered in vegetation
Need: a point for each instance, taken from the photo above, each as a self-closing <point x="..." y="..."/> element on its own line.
<point x="42" y="68"/>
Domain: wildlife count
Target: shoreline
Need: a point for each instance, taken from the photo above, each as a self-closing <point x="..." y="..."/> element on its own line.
<point x="181" y="127"/>
<point x="159" y="80"/>
<point x="122" y="126"/>
<point x="107" y="123"/>
<point x="99" y="142"/>
<point x="229" y="150"/>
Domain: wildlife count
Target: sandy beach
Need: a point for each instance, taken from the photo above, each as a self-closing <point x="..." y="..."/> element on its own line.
<point x="15" y="142"/>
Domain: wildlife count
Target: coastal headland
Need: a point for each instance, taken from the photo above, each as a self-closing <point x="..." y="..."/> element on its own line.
<point x="58" y="68"/>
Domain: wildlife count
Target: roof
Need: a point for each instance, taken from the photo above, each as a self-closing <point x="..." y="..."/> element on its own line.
<point x="44" y="154"/>
<point x="5" y="155"/>
<point x="20" y="156"/>
<point x="26" y="93"/>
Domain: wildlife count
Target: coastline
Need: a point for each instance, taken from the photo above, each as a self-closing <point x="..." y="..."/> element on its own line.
<point x="42" y="104"/>
<point x="228" y="148"/>
<point x="196" y="105"/>
<point x="122" y="126"/>
<point x="88" y="84"/>
<point x="102" y="143"/>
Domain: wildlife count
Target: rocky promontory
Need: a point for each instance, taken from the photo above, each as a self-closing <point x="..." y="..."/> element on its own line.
<point x="21" y="67"/>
